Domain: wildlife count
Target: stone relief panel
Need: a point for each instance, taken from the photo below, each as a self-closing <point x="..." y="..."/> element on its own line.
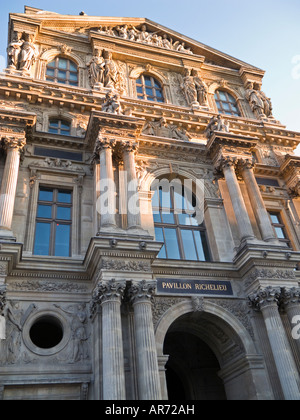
<point x="175" y="82"/>
<point x="67" y="340"/>
<point x="104" y="72"/>
<point x="144" y="36"/>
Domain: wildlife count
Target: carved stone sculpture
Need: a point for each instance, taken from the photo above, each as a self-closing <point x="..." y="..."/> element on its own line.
<point x="217" y="124"/>
<point x="162" y="129"/>
<point x="260" y="104"/>
<point x="22" y="53"/>
<point x="189" y="88"/>
<point x="14" y="50"/>
<point x="96" y="69"/>
<point x="29" y="53"/>
<point x="110" y="77"/>
<point x="79" y="334"/>
<point x="144" y="36"/>
<point x="201" y="88"/>
<point x="112" y="103"/>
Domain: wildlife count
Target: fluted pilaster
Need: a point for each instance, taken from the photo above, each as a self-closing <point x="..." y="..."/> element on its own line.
<point x="290" y="302"/>
<point x="258" y="205"/>
<point x="228" y="166"/>
<point x="107" y="201"/>
<point x="147" y="364"/>
<point x="109" y="294"/>
<point x="267" y="302"/>
<point x="133" y="207"/>
<point x="13" y="146"/>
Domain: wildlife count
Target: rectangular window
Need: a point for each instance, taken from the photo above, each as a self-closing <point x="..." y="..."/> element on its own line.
<point x="53" y="223"/>
<point x="279" y="228"/>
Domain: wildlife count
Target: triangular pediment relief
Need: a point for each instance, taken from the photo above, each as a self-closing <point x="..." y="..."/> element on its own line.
<point x="134" y="30"/>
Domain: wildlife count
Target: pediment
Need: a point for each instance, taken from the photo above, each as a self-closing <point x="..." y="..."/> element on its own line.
<point x="141" y="31"/>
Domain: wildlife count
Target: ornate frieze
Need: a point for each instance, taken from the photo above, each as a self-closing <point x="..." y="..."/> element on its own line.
<point x="161" y="128"/>
<point x="144" y="36"/>
<point x="49" y="286"/>
<point x="121" y="265"/>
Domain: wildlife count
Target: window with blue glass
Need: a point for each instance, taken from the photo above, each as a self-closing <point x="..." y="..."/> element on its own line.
<point x="58" y="126"/>
<point x="226" y="103"/>
<point x="177" y="227"/>
<point x="149" y="89"/>
<point x="53" y="223"/>
<point x="62" y="70"/>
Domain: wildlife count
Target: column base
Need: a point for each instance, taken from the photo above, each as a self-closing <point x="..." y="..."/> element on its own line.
<point x="137" y="231"/>
<point x="110" y="230"/>
<point x="7" y="236"/>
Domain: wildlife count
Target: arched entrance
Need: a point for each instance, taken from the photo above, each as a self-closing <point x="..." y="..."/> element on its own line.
<point x="192" y="368"/>
<point x="208" y="355"/>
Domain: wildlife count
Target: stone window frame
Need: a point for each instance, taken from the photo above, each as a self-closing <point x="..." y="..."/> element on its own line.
<point x="51" y="55"/>
<point x="233" y="92"/>
<point x="179" y="228"/>
<point x="60" y="115"/>
<point x="287" y="221"/>
<point x="143" y="85"/>
<point x="137" y="72"/>
<point x="54" y="220"/>
<point x="226" y="92"/>
<point x="67" y="80"/>
<point x="61" y="179"/>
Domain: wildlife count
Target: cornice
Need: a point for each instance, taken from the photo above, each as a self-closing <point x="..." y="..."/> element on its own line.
<point x="290" y="163"/>
<point x="145" y="53"/>
<point x="120" y="127"/>
<point x="56" y="140"/>
<point x="23" y="118"/>
<point x="37" y="93"/>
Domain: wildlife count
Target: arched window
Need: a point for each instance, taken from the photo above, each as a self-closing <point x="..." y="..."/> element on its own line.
<point x="177" y="226"/>
<point x="226" y="103"/>
<point x="149" y="89"/>
<point x="62" y="70"/>
<point x="58" y="126"/>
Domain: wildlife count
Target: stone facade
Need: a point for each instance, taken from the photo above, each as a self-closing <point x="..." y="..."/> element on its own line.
<point x="128" y="101"/>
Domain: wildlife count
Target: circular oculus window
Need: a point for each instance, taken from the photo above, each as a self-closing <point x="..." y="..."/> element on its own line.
<point x="45" y="334"/>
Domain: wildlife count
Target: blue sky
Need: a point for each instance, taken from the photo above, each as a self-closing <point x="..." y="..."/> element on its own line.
<point x="265" y="33"/>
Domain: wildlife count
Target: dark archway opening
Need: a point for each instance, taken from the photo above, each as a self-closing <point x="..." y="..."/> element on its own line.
<point x="192" y="369"/>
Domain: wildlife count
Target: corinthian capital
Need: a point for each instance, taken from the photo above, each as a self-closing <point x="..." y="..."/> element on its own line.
<point x="290" y="296"/>
<point x="227" y="162"/>
<point x="142" y="291"/>
<point x="129" y="146"/>
<point x="108" y="291"/>
<point x="14" y="143"/>
<point x="246" y="163"/>
<point x="265" y="297"/>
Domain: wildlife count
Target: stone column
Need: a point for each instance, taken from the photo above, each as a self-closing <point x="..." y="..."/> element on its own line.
<point x="146" y="354"/>
<point x="106" y="205"/>
<point x="257" y="201"/>
<point x="133" y="205"/>
<point x="267" y="302"/>
<point x="109" y="294"/>
<point x="238" y="203"/>
<point x="13" y="146"/>
<point x="290" y="301"/>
